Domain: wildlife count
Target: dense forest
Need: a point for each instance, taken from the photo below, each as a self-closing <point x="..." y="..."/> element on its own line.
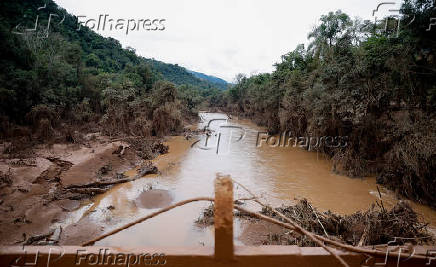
<point x="220" y="83"/>
<point x="358" y="80"/>
<point x="62" y="77"/>
<point x="179" y="76"/>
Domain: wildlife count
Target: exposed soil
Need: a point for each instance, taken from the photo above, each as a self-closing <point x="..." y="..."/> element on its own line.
<point x="41" y="187"/>
<point x="87" y="228"/>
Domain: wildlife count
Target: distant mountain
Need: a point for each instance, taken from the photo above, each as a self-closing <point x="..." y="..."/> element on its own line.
<point x="180" y="75"/>
<point x="218" y="82"/>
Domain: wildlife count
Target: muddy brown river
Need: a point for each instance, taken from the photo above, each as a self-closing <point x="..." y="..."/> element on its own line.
<point x="278" y="174"/>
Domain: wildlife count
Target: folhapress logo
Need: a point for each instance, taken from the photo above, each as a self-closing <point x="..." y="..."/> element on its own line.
<point x="106" y="23"/>
<point x="220" y="139"/>
<point x="41" y="30"/>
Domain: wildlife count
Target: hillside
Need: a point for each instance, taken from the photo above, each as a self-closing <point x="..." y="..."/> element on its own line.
<point x="106" y="54"/>
<point x="180" y="75"/>
<point x="218" y="82"/>
<point x="65" y="66"/>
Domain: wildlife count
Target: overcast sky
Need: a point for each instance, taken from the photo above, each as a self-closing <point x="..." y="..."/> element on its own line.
<point x="221" y="37"/>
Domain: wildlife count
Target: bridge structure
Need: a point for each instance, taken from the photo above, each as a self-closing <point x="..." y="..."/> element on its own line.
<point x="224" y="253"/>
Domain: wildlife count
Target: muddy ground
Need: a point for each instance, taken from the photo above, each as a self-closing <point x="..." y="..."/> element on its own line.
<point x="43" y="185"/>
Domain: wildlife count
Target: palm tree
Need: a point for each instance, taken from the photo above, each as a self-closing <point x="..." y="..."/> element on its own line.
<point x="333" y="26"/>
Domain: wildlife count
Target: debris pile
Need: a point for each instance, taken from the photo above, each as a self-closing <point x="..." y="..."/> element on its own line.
<point x="206" y="218"/>
<point x="371" y="227"/>
<point x="147" y="148"/>
<point x="374" y="226"/>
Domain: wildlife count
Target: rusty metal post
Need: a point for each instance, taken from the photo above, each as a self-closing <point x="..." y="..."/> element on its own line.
<point x="223" y="219"/>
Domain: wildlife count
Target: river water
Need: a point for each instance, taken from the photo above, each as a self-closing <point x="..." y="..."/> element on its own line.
<point x="278" y="174"/>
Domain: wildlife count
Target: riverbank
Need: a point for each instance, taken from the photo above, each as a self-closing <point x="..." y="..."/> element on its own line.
<point x="47" y="184"/>
<point x="279" y="175"/>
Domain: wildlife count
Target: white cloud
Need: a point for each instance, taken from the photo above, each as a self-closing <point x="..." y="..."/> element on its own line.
<point x="222" y="37"/>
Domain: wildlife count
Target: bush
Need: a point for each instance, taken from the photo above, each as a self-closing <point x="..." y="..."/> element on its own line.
<point x="42" y="112"/>
<point x="411" y="163"/>
<point x="167" y="119"/>
<point x="141" y="126"/>
<point x="45" y="130"/>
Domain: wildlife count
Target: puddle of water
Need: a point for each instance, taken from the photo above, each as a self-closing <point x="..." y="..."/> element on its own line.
<point x="154" y="198"/>
<point x="277" y="174"/>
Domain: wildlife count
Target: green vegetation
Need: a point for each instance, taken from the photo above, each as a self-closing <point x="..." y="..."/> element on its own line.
<point x="76" y="78"/>
<point x="353" y="80"/>
<point x="179" y="76"/>
<point x="219" y="83"/>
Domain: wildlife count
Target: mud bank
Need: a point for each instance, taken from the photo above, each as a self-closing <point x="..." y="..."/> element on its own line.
<point x="112" y="208"/>
<point x="40" y="191"/>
